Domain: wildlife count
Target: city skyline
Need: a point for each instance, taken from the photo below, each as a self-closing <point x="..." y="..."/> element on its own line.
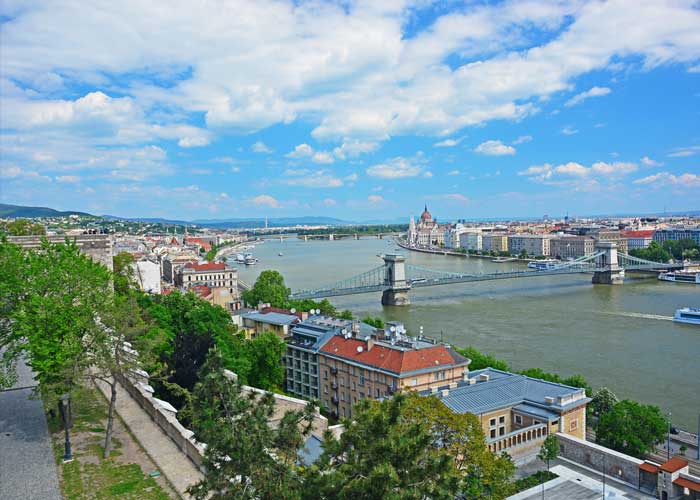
<point x="354" y="111"/>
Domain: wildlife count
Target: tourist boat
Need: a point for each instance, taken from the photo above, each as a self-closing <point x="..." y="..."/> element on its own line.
<point x="250" y="260"/>
<point x="543" y="265"/>
<point x="280" y="254"/>
<point x="688" y="315"/>
<point x="504" y="259"/>
<point x="686" y="276"/>
<point x="240" y="258"/>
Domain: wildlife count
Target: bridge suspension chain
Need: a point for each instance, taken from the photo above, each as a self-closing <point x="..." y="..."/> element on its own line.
<point x="369" y="279"/>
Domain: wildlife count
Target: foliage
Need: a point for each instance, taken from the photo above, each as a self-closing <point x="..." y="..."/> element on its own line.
<point x="678" y="247"/>
<point x="14" y="272"/>
<point x="245" y="457"/>
<point x="124" y="279"/>
<point x="481" y="360"/>
<point x="653" y="252"/>
<point x="375" y="322"/>
<point x="22" y="227"/>
<point x="408" y="447"/>
<point x="264" y="353"/>
<point x="549" y="450"/>
<point x="573" y="380"/>
<point x="346" y="314"/>
<point x="631" y="428"/>
<point x="268" y="288"/>
<point x="538" y="477"/>
<point x="604" y="400"/>
<point x="324" y="306"/>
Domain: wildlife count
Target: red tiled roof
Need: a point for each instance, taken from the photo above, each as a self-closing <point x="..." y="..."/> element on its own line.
<point x="207" y="266"/>
<point x="385" y="358"/>
<point x="202" y="290"/>
<point x="647" y="467"/>
<point x="638" y="234"/>
<point x="676" y="463"/>
<point x="687" y="483"/>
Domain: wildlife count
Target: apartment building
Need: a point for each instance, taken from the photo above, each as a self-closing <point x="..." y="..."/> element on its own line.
<point x="571" y="247"/>
<point x="678" y="233"/>
<point x="536" y="245"/>
<point x="471" y="239"/>
<point x="495" y="242"/>
<point x="212" y="274"/>
<point x="516" y="412"/>
<point x="636" y="240"/>
<point x="268" y="319"/>
<point x="353" y="366"/>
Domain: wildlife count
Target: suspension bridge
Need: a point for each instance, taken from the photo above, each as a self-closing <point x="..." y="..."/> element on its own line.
<point x="395" y="278"/>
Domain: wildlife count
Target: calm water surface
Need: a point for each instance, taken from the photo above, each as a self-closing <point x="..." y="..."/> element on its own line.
<point x="616" y="336"/>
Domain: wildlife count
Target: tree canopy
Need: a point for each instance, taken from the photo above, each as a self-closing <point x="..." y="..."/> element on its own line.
<point x="630" y="427"/>
<point x="268" y="288"/>
<point x="22" y="227"/>
<point x="653" y="252"/>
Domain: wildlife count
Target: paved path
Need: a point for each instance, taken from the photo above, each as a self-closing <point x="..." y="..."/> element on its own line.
<point x="27" y="465"/>
<point x="179" y="469"/>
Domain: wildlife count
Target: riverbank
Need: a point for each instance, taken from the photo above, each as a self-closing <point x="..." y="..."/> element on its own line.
<point x="492" y="258"/>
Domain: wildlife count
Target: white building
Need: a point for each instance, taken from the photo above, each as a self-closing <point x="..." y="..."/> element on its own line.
<point x="148" y="276"/>
<point x="471" y="239"/>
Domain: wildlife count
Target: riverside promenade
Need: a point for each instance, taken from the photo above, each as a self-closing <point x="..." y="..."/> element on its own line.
<point x="27" y="462"/>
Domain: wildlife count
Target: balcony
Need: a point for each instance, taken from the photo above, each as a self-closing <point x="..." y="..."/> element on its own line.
<point x="514" y="442"/>
<point x="334" y="371"/>
<point x="334" y="400"/>
<point x="334" y="385"/>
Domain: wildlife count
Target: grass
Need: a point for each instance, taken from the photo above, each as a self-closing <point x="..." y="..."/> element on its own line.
<point x="89" y="476"/>
<point x="535" y="479"/>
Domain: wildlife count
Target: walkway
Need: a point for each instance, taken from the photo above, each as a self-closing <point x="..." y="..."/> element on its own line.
<point x="179" y="469"/>
<point x="27" y="465"/>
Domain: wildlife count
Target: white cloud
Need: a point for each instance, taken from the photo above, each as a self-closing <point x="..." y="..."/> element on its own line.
<point x="353" y="149"/>
<point x="300" y="151"/>
<point x="454" y="172"/>
<point x="686" y="180"/>
<point x="592" y="92"/>
<point x="323" y="157"/>
<point x="494" y="148"/>
<point x="568" y="130"/>
<point x="649" y="162"/>
<point x="261" y="147"/>
<point x="395" y="168"/>
<point x="522" y="139"/>
<point x="351" y="178"/>
<point x="68" y="179"/>
<point x="265" y="200"/>
<point x="684" y="152"/>
<point x="448" y="143"/>
<point x="375" y="199"/>
<point x="311" y="178"/>
<point x="576" y="172"/>
<point x="427" y="174"/>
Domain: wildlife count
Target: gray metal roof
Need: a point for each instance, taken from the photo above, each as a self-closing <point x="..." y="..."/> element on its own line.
<point x="536" y="411"/>
<point x="504" y="389"/>
<point x="271" y="318"/>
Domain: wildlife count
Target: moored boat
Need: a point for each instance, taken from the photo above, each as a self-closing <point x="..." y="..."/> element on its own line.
<point x="685" y="276"/>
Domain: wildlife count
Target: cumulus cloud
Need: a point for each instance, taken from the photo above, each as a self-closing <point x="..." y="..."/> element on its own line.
<point x="649" y="162"/>
<point x="522" y="139"/>
<point x="265" y="200"/>
<point x="454" y="172"/>
<point x="323" y="157"/>
<point x="448" y="143"/>
<point x="494" y="148"/>
<point x="686" y="180"/>
<point x="353" y="149"/>
<point x="68" y="179"/>
<point x="548" y="173"/>
<point x="395" y="168"/>
<point x="311" y="178"/>
<point x="592" y="92"/>
<point x="261" y="147"/>
<point x="569" y="130"/>
<point x="300" y="151"/>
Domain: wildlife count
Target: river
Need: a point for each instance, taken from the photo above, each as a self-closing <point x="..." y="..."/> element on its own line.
<point x="621" y="337"/>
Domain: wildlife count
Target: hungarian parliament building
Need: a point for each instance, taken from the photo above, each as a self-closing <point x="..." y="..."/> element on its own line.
<point x="427" y="232"/>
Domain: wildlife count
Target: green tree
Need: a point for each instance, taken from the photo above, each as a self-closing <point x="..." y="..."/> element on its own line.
<point x="603" y="401"/>
<point x="549" y="450"/>
<point x="480" y="360"/>
<point x="124" y="279"/>
<point x="246" y="458"/>
<point x="13" y="288"/>
<point x="523" y="254"/>
<point x="268" y="288"/>
<point x="346" y="314"/>
<point x="653" y="252"/>
<point x="631" y="428"/>
<point x="264" y="353"/>
<point x="375" y="322"/>
<point x="573" y="380"/>
<point x="22" y="227"/>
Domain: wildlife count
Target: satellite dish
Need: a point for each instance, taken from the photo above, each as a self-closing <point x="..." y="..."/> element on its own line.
<point x="292" y="310"/>
<point x="318" y="311"/>
<point x="359" y="348"/>
<point x="392" y="329"/>
<point x="343" y="331"/>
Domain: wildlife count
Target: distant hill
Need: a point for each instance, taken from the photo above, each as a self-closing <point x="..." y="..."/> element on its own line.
<point x="241" y="223"/>
<point x="29" y="212"/>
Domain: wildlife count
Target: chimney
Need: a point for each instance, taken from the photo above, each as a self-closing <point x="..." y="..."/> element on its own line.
<point x="445" y="393"/>
<point x="471" y="381"/>
<point x="453" y="385"/>
<point x="433" y="390"/>
<point x="355" y="328"/>
<point x="465" y="377"/>
<point x="483" y="377"/>
<point x="370" y="343"/>
<point x="549" y="400"/>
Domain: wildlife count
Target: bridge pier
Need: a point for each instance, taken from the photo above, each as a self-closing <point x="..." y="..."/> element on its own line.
<point x="608" y="270"/>
<point x="395" y="278"/>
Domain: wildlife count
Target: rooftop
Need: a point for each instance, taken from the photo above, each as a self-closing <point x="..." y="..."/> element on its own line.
<point x="206" y="266"/>
<point x="493" y="389"/>
<point x="271" y="318"/>
<point x="673" y="465"/>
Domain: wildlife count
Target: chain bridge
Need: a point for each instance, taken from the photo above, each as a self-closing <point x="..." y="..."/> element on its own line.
<point x="395" y="278"/>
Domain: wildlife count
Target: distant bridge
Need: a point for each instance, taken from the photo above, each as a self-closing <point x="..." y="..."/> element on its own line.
<point x="395" y="278"/>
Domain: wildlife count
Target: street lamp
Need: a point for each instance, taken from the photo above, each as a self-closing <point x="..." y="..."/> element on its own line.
<point x="668" y="438"/>
<point x="64" y="408"/>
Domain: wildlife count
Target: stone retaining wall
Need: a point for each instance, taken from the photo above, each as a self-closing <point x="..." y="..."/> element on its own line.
<point x="604" y="460"/>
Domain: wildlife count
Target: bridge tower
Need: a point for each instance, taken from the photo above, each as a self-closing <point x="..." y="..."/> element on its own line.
<point x="608" y="270"/>
<point x="395" y="278"/>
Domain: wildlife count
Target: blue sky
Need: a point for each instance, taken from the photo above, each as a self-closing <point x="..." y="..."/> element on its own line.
<point x="358" y="110"/>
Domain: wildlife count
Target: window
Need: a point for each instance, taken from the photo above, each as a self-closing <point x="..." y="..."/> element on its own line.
<point x="444" y="374"/>
<point x="492" y="422"/>
<point x="518" y="419"/>
<point x="493" y="433"/>
<point x="325" y="374"/>
<point x="342" y="395"/>
<point x="378" y="392"/>
<point x="353" y="385"/>
<point x="502" y="430"/>
<point x="362" y="378"/>
<point x="556" y="422"/>
<point x="502" y="419"/>
<point x="437" y="376"/>
<point x="573" y="425"/>
<point x="415" y="382"/>
<point x="537" y="422"/>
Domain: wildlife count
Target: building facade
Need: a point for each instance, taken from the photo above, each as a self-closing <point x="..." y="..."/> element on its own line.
<point x="637" y="240"/>
<point x="212" y="274"/>
<point x="536" y="245"/>
<point x="677" y="233"/>
<point x="571" y="247"/>
<point x="353" y="366"/>
<point x="427" y="232"/>
<point x="471" y="239"/>
<point x="495" y="242"/>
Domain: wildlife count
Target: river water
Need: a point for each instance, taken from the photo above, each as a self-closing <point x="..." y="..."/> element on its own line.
<point x="621" y="337"/>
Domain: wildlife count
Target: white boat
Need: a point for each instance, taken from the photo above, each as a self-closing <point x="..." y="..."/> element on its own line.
<point x="240" y="258"/>
<point x="542" y="265"/>
<point x="500" y="260"/>
<point x="280" y="254"/>
<point x="681" y="276"/>
<point x="688" y="315"/>
<point x="250" y="260"/>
